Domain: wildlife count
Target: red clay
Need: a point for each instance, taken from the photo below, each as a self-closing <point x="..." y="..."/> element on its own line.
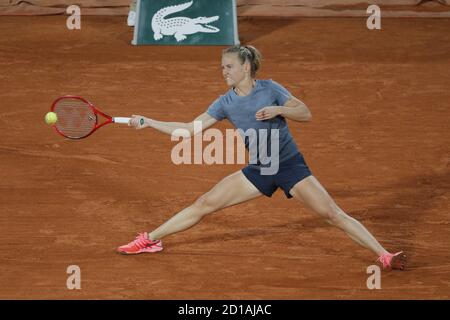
<point x="378" y="141"/>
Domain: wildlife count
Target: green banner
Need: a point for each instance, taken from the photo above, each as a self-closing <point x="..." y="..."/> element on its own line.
<point x="186" y="22"/>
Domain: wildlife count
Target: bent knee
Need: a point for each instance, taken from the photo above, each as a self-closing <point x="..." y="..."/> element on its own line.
<point x="333" y="215"/>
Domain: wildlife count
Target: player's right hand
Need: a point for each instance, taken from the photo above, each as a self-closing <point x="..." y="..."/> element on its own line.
<point x="138" y="122"/>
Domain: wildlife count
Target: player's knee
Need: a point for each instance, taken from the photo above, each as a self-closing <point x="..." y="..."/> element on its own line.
<point x="205" y="204"/>
<point x="333" y="215"/>
<point x="340" y="218"/>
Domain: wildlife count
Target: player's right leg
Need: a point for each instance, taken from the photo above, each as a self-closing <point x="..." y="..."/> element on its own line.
<point x="233" y="189"/>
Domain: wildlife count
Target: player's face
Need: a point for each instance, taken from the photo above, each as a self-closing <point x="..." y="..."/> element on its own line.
<point x="232" y="69"/>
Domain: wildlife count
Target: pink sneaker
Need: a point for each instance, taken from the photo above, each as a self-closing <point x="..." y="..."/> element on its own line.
<point x="393" y="260"/>
<point x="141" y="244"/>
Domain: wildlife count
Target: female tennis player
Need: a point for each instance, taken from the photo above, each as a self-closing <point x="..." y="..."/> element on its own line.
<point x="257" y="104"/>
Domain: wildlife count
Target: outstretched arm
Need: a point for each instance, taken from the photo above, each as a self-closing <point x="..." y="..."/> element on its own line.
<point x="293" y="109"/>
<point x="171" y="127"/>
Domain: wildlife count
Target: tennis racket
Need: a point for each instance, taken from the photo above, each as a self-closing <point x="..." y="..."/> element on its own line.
<point x="78" y="118"/>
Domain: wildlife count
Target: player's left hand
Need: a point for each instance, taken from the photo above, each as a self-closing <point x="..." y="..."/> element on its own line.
<point x="138" y="122"/>
<point x="267" y="113"/>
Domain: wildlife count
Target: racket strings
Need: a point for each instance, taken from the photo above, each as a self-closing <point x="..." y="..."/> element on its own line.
<point x="76" y="119"/>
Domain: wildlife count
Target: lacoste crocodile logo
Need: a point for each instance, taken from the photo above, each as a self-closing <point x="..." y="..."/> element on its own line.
<point x="179" y="27"/>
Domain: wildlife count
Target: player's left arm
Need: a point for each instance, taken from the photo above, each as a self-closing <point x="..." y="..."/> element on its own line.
<point x="293" y="109"/>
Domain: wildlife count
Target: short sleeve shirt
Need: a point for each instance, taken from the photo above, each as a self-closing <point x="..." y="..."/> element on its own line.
<point x="240" y="111"/>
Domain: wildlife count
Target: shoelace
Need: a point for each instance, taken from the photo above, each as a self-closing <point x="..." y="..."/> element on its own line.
<point x="385" y="259"/>
<point x="141" y="241"/>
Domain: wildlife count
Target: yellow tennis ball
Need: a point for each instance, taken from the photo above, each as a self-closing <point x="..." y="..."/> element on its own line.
<point x="51" y="118"/>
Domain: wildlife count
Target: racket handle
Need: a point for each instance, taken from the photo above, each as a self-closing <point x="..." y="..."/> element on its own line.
<point x="121" y="120"/>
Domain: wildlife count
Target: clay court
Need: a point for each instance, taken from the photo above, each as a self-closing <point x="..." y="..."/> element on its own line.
<point x="378" y="141"/>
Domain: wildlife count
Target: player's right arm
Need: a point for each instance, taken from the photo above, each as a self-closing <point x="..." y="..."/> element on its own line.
<point x="173" y="128"/>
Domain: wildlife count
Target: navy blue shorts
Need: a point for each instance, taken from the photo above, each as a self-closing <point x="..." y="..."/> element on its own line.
<point x="290" y="172"/>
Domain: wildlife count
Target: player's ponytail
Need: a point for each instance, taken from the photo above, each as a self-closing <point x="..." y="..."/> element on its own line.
<point x="247" y="53"/>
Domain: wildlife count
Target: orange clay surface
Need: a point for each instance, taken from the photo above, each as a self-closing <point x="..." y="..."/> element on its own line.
<point x="378" y="141"/>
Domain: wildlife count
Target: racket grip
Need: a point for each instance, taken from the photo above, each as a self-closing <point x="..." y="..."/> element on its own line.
<point x="121" y="120"/>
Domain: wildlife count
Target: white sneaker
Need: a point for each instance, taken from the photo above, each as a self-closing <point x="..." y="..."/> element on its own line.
<point x="131" y="18"/>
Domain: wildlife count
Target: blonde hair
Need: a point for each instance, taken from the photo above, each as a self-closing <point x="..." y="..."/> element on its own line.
<point x="247" y="53"/>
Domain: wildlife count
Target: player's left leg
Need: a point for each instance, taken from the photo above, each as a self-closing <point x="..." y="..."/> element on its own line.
<point x="314" y="196"/>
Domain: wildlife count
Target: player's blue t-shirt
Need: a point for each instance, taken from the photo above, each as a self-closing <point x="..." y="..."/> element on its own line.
<point x="240" y="111"/>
